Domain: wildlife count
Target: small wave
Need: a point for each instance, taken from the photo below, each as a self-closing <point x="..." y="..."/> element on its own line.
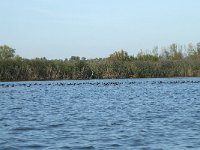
<point x="65" y="147"/>
<point x="115" y="145"/>
<point x="9" y="148"/>
<point x="78" y="147"/>
<point x="2" y="119"/>
<point x="84" y="147"/>
<point x="16" y="108"/>
<point x="23" y="129"/>
<point x="56" y="125"/>
<point x="34" y="146"/>
<point x="2" y="142"/>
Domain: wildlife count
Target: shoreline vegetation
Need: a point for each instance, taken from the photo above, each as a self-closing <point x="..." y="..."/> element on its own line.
<point x="172" y="61"/>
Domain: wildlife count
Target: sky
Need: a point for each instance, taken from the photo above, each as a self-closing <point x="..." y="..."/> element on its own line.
<point x="59" y="29"/>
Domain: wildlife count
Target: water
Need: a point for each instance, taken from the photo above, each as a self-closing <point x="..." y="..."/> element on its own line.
<point x="144" y="114"/>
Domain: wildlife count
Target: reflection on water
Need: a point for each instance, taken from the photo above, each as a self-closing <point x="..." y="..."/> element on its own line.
<point x="101" y="114"/>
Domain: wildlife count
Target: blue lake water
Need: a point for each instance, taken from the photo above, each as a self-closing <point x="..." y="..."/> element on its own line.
<point x="146" y="114"/>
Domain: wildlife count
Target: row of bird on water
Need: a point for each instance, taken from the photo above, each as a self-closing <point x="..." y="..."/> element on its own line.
<point x="95" y="83"/>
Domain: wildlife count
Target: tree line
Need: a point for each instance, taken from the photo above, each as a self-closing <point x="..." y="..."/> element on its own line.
<point x="172" y="61"/>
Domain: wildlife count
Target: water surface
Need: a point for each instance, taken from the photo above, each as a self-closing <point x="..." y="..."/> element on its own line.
<point x="144" y="114"/>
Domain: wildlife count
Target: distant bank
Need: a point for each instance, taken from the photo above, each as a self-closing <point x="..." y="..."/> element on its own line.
<point x="171" y="62"/>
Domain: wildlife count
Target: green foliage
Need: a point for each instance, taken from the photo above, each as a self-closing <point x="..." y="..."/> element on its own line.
<point x="6" y="52"/>
<point x="119" y="55"/>
<point x="198" y="48"/>
<point x="147" y="57"/>
<point x="74" y="58"/>
<point x="170" y="63"/>
<point x="190" y="50"/>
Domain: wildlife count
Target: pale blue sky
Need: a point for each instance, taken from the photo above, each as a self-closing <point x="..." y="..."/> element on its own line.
<point x="96" y="28"/>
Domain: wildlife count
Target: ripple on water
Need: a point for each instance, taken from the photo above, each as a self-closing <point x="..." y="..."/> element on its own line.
<point x="78" y="147"/>
<point x="101" y="114"/>
<point x="23" y="129"/>
<point x="16" y="108"/>
<point x="34" y="146"/>
<point x="10" y="148"/>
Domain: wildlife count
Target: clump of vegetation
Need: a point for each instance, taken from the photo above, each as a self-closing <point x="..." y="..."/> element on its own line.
<point x="174" y="61"/>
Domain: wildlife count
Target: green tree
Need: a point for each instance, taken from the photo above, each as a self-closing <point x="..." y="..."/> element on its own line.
<point x="146" y="57"/>
<point x="74" y="58"/>
<point x="165" y="55"/>
<point x="155" y="51"/>
<point x="175" y="53"/>
<point x="190" y="49"/>
<point x="198" y="48"/>
<point x="6" y="52"/>
<point x="119" y="55"/>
